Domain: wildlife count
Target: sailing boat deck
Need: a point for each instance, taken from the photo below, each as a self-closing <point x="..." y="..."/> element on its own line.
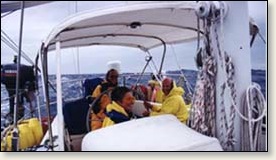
<point x="147" y="26"/>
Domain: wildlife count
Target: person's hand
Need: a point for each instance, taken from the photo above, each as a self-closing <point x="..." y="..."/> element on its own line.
<point x="146" y="113"/>
<point x="147" y="105"/>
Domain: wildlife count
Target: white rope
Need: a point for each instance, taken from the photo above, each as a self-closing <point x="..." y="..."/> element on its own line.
<point x="248" y="91"/>
<point x="254" y="99"/>
<point x="227" y="81"/>
<point x="203" y="106"/>
<point x="223" y="119"/>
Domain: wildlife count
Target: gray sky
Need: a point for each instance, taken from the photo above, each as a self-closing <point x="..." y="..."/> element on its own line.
<point x="39" y="21"/>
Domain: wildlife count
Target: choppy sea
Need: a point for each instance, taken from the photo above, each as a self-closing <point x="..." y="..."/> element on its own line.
<point x="75" y="89"/>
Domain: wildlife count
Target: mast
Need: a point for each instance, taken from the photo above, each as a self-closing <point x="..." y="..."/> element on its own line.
<point x="235" y="41"/>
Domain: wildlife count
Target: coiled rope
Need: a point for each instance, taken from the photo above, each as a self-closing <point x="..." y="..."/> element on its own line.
<point x="202" y="116"/>
<point x="254" y="107"/>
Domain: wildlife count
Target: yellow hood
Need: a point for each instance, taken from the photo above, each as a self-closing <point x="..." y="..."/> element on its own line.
<point x="115" y="106"/>
<point x="176" y="91"/>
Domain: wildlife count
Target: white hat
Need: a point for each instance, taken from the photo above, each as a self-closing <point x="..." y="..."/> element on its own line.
<point x="114" y="65"/>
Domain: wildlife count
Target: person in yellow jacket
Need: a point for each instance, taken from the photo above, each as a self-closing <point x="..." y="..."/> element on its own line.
<point x="98" y="115"/>
<point x="120" y="108"/>
<point x="173" y="102"/>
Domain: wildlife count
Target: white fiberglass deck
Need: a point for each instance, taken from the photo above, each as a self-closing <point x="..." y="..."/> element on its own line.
<point x="158" y="133"/>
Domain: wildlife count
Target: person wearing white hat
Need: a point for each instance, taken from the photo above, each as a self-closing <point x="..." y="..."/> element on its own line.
<point x="111" y="81"/>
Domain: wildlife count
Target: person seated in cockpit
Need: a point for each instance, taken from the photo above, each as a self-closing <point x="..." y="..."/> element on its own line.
<point x="98" y="115"/>
<point x="120" y="109"/>
<point x="173" y="102"/>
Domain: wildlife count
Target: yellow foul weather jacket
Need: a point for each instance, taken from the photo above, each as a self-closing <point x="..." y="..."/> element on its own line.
<point x="115" y="114"/>
<point x="173" y="104"/>
<point x="97" y="119"/>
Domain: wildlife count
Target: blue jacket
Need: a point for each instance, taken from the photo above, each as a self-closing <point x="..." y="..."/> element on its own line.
<point x="115" y="114"/>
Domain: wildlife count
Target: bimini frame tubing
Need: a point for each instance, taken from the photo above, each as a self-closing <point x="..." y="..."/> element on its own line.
<point x="59" y="99"/>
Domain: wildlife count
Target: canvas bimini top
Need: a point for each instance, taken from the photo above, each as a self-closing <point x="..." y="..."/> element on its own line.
<point x="142" y="25"/>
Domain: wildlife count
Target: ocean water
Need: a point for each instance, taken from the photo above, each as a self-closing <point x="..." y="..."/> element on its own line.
<point x="259" y="77"/>
<point x="73" y="89"/>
